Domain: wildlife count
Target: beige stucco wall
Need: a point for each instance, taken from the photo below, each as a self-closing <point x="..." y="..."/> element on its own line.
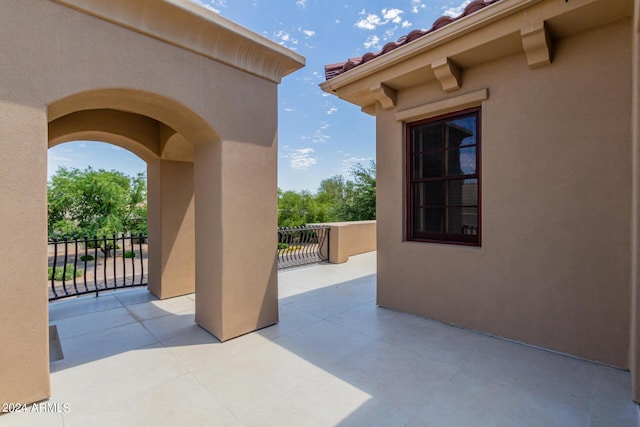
<point x="553" y="269"/>
<point x="171" y="203"/>
<point x="350" y="238"/>
<point x="24" y="357"/>
<point x="68" y="69"/>
<point x="634" y="353"/>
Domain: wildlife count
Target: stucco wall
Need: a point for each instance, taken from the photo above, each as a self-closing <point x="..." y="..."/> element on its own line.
<point x="24" y="353"/>
<point x="59" y="63"/>
<point x="634" y="353"/>
<point x="350" y="238"/>
<point x="553" y="269"/>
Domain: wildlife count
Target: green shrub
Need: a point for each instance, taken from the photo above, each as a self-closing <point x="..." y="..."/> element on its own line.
<point x="282" y="246"/>
<point x="87" y="258"/>
<point x="68" y="274"/>
<point x="129" y="254"/>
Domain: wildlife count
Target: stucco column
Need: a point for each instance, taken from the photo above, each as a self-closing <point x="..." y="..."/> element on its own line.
<point x="390" y="201"/>
<point x="24" y="316"/>
<point x="170" y="199"/>
<point x="236" y="236"/>
<point x="634" y="339"/>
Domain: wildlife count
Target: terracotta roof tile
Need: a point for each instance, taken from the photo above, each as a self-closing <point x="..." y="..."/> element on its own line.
<point x="332" y="70"/>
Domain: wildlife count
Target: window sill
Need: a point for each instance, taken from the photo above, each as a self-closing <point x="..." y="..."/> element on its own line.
<point x="445" y="242"/>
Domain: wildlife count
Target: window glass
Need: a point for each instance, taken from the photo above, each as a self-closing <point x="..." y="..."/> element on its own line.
<point x="444" y="179"/>
<point x="427" y="138"/>
<point x="427" y="165"/>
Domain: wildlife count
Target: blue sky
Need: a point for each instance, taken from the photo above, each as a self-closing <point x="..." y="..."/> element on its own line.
<point x="319" y="135"/>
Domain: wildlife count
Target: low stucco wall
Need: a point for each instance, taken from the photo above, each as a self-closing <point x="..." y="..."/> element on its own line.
<point x="554" y="266"/>
<point x="350" y="238"/>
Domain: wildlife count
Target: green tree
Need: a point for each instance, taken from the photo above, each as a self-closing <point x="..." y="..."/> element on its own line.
<point x="298" y="208"/>
<point x="337" y="199"/>
<point x="359" y="202"/>
<point x="95" y="203"/>
<point x="333" y="189"/>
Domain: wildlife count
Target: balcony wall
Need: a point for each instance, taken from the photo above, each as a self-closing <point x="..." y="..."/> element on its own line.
<point x="350" y="238"/>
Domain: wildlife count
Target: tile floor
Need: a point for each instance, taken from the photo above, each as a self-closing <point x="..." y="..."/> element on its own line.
<point x="335" y="359"/>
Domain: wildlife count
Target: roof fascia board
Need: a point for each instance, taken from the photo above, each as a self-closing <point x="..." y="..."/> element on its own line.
<point x="187" y="25"/>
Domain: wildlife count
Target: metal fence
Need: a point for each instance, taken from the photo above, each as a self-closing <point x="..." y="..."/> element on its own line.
<point x="302" y="245"/>
<point x="90" y="265"/>
<point x="79" y="266"/>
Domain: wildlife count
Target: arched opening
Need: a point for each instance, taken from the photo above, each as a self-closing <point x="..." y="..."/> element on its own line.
<point x="97" y="219"/>
<point x="145" y="124"/>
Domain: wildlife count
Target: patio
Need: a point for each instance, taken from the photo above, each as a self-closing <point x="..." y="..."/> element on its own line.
<point x="334" y="359"/>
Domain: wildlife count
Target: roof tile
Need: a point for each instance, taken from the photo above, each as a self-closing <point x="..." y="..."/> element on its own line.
<point x="333" y="70"/>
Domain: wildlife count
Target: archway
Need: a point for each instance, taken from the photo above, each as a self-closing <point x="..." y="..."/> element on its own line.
<point x="97" y="219"/>
<point x="221" y="246"/>
<point x="169" y="157"/>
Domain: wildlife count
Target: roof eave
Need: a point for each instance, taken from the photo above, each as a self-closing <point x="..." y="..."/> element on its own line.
<point x="192" y="27"/>
<point x="442" y="36"/>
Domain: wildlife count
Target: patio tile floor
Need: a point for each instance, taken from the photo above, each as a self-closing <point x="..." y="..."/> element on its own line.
<point x="335" y="359"/>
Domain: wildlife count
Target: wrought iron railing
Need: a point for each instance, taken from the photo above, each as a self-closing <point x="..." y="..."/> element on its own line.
<point x="302" y="245"/>
<point x="80" y="266"/>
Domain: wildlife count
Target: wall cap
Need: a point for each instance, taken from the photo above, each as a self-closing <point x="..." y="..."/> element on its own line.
<point x="187" y="25"/>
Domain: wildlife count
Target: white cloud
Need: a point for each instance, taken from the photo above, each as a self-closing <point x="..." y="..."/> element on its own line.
<point x="301" y="3"/>
<point x="289" y="109"/>
<point x="371" y="22"/>
<point x="392" y="18"/>
<point x="318" y="136"/>
<point x="392" y="15"/>
<point x="113" y="147"/>
<point x="372" y="42"/>
<point x="301" y="158"/>
<point x="284" y="38"/>
<point x="289" y="40"/>
<point x="457" y="10"/>
<point x="416" y="5"/>
<point x="332" y="110"/>
<point x="282" y="35"/>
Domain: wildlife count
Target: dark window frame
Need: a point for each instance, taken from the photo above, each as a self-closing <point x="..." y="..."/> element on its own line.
<point x="445" y="237"/>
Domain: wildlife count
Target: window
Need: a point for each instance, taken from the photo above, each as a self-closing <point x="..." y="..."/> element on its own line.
<point x="443" y="179"/>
